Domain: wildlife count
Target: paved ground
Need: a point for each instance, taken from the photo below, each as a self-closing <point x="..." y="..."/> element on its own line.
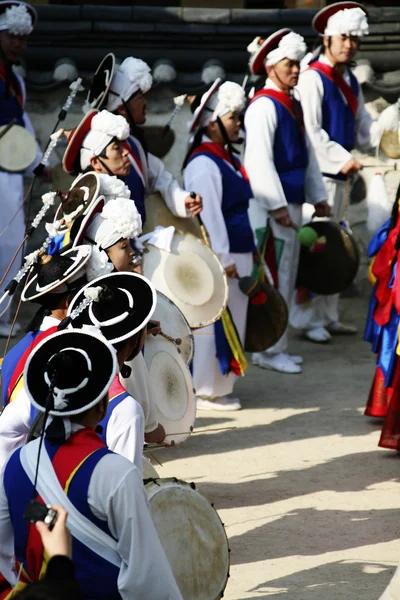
<point x="310" y="504"/>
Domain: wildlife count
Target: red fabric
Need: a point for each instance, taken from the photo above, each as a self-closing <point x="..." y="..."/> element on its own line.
<point x="335" y="76"/>
<point x="261" y="298"/>
<point x="220" y="152"/>
<point x="269" y="255"/>
<point x="379" y="396"/>
<point x="390" y="436"/>
<point x="14" y="89"/>
<point x="116" y="388"/>
<point x="135" y="157"/>
<point x="382" y="270"/>
<point x="19" y="369"/>
<point x="287" y="101"/>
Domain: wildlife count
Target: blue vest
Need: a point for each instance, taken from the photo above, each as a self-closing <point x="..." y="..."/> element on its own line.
<point x="113" y="403"/>
<point x="236" y="193"/>
<point x="10" y="108"/>
<point x="10" y="362"/>
<point x="97" y="577"/>
<point x="135" y="183"/>
<point x="290" y="154"/>
<point x="337" y="117"/>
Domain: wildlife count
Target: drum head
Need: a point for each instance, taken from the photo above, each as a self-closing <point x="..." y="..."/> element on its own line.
<point x="193" y="538"/>
<point x="149" y="471"/>
<point x="173" y="388"/>
<point x="18" y="149"/>
<point x="158" y="213"/>
<point x="191" y="276"/>
<point x="174" y="324"/>
<point x="334" y="268"/>
<point x="267" y="322"/>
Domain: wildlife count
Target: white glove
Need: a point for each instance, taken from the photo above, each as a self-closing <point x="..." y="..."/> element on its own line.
<point x="389" y="119"/>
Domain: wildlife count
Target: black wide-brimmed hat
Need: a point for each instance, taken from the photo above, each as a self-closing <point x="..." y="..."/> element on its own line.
<point x="57" y="273"/>
<point x="101" y="82"/>
<point x="76" y="367"/>
<point x="122" y="305"/>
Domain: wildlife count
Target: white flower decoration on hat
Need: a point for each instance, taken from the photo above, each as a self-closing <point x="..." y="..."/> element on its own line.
<point x="118" y="220"/>
<point x="17" y="20"/>
<point x="349" y="21"/>
<point x="98" y="264"/>
<point x="131" y="76"/>
<point x="291" y="46"/>
<point x="103" y="129"/>
<point x="111" y="187"/>
<point x="230" y="97"/>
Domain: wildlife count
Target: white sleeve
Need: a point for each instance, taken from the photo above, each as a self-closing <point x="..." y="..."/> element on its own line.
<point x="39" y="153"/>
<point x="204" y="176"/>
<point x="161" y="180"/>
<point x="331" y="156"/>
<point x="261" y="122"/>
<point x="7" y="560"/>
<point x="125" y="431"/>
<point x="15" y="422"/>
<point x="314" y="188"/>
<point x="368" y="131"/>
<point x="116" y="494"/>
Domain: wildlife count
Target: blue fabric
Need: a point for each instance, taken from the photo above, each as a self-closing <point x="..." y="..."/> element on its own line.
<point x="97" y="578"/>
<point x="290" y="153"/>
<point x="135" y="183"/>
<point x="111" y="406"/>
<point x="11" y="360"/>
<point x="56" y="244"/>
<point x="9" y="106"/>
<point x="389" y="338"/>
<point x="224" y="352"/>
<point x="337" y="117"/>
<point x="379" y="239"/>
<point x="236" y="193"/>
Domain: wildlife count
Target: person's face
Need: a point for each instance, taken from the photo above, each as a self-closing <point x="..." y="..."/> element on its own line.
<point x="231" y="122"/>
<point x="117" y="160"/>
<point x="121" y="255"/>
<point x="13" y="46"/>
<point x="342" y="48"/>
<point x="137" y="107"/>
<point x="285" y="73"/>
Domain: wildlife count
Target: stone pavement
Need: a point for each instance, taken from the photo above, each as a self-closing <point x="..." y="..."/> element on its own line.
<point x="310" y="504"/>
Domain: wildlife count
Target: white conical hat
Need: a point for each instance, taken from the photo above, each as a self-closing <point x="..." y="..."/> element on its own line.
<point x="191" y="276"/>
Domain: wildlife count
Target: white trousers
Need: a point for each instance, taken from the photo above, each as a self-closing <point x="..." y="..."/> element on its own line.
<point x="207" y="377"/>
<point x="322" y="310"/>
<point x="11" y="195"/>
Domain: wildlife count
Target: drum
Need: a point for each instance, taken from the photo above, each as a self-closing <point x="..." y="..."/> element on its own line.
<point x="174" y="325"/>
<point x="149" y="471"/>
<point x="191" y="276"/>
<point x="193" y="538"/>
<point x="18" y="149"/>
<point x="173" y="388"/>
<point x="158" y="213"/>
<point x="332" y="269"/>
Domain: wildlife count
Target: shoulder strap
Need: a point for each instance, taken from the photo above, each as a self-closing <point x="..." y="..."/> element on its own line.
<point x="50" y="491"/>
<point x="336" y="77"/>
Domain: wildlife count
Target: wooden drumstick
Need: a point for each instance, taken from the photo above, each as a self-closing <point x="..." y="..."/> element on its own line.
<point x="201" y="431"/>
<point x="7" y="127"/>
<point x="176" y="341"/>
<point x="202" y="226"/>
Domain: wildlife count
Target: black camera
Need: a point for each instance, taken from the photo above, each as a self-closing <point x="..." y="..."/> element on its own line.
<point x="36" y="511"/>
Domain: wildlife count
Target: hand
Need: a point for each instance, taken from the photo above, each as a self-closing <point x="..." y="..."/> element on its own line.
<point x="153" y="327"/>
<point x="58" y="541"/>
<point x="194" y="205"/>
<point x="231" y="271"/>
<point x="157" y="436"/>
<point x="322" y="209"/>
<point x="281" y="216"/>
<point x="353" y="166"/>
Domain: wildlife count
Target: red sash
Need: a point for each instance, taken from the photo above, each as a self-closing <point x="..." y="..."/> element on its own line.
<point x="220" y="152"/>
<point x="13" y="83"/>
<point x="288" y="102"/>
<point x="19" y="369"/>
<point x="334" y="75"/>
<point x="382" y="269"/>
<point x="134" y="155"/>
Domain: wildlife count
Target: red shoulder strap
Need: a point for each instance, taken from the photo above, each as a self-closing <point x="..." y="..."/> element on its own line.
<point x="288" y="102"/>
<point x="220" y="152"/>
<point x="333" y="75"/>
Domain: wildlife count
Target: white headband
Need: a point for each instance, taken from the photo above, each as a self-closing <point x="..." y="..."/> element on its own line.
<point x="349" y="21"/>
<point x="17" y="20"/>
<point x="291" y="46"/>
<point x="132" y="75"/>
<point x="119" y="219"/>
<point x="104" y="127"/>
<point x="230" y="97"/>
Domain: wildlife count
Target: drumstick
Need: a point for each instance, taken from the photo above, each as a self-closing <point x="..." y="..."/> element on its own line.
<point x="176" y="341"/>
<point x="7" y="127"/>
<point x="200" y="431"/>
<point x="154" y="458"/>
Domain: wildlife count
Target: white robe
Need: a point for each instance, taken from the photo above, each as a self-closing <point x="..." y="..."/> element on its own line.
<point x="203" y="175"/>
<point x="331" y="157"/>
<point x="11" y="196"/>
<point x="117" y="497"/>
<point x="261" y="123"/>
